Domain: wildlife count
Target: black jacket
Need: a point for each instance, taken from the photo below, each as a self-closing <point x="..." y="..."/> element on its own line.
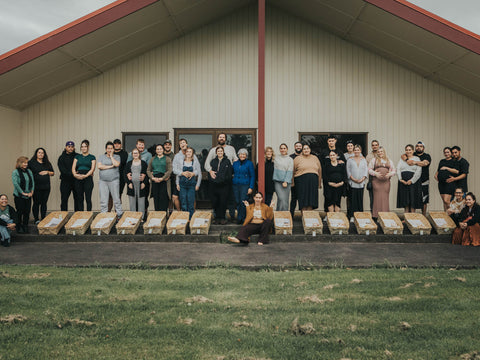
<point x="13" y="216"/>
<point x="65" y="163"/>
<point x="224" y="172"/>
<point x="474" y="214"/>
<point x="128" y="169"/>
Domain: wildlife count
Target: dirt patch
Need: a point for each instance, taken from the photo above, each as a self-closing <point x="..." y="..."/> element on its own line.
<point x="7" y="275"/>
<point x="186" y="321"/>
<point x="352" y="327"/>
<point x="11" y="319"/>
<point x="198" y="299"/>
<point x="428" y="285"/>
<point x="38" y="276"/>
<point x="470" y="356"/>
<point x="407" y="285"/>
<point x="300" y="284"/>
<point x="331" y="286"/>
<point x="305" y="329"/>
<point x="395" y="298"/>
<point x="405" y="326"/>
<point x="356" y="281"/>
<point x="241" y="324"/>
<point x="151" y="322"/>
<point x="314" y="299"/>
<point x="388" y="353"/>
<point x="461" y="279"/>
<point x="78" y="322"/>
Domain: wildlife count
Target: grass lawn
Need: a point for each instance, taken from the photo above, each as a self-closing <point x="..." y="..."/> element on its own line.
<point x="226" y="313"/>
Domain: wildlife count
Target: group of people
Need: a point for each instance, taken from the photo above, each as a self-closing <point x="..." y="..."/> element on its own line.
<point x="173" y="179"/>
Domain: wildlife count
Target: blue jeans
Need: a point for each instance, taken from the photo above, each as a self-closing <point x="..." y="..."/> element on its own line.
<point x="187" y="198"/>
<point x="241" y="194"/>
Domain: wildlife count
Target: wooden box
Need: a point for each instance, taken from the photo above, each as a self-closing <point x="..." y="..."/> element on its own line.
<point x="390" y="223"/>
<point x="155" y="223"/>
<point x="337" y="223"/>
<point x="53" y="223"/>
<point x="312" y="223"/>
<point x="129" y="223"/>
<point x="200" y="222"/>
<point x="177" y="223"/>
<point x="417" y="224"/>
<point x="441" y="222"/>
<point x="79" y="223"/>
<point x="364" y="223"/>
<point x="103" y="223"/>
<point x="282" y="221"/>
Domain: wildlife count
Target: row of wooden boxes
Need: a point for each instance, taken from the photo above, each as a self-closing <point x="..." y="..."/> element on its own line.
<point x="103" y="223"/>
<point x="177" y="223"/>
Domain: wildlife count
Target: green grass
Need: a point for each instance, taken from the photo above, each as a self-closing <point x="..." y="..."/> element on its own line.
<point x="141" y="314"/>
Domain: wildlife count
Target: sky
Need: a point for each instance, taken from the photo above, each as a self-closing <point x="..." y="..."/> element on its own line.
<point x="24" y="20"/>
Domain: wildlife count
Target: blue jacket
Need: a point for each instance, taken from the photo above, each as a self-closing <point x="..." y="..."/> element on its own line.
<point x="244" y="173"/>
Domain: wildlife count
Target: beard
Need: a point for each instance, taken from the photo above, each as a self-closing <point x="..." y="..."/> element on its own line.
<point x="298" y="152"/>
<point x="221" y="142"/>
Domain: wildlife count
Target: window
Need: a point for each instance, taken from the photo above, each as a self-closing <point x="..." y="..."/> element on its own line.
<point x="318" y="141"/>
<point x="129" y="140"/>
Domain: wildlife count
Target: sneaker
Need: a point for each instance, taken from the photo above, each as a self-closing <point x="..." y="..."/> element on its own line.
<point x="352" y="219"/>
<point x="6" y="242"/>
<point x="37" y="222"/>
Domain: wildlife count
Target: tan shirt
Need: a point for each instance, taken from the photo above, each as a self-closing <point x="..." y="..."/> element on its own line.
<point x="307" y="165"/>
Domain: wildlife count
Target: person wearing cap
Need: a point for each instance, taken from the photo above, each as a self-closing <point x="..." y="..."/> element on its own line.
<point x="171" y="183"/>
<point x="67" y="181"/>
<point x="118" y="150"/>
<point x="424" y="163"/>
<point x="243" y="182"/>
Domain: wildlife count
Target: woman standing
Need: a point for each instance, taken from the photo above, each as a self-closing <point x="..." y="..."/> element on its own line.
<point x="257" y="221"/>
<point x="8" y="218"/>
<point x="23" y="186"/>
<point x="159" y="171"/>
<point x="357" y="172"/>
<point x="447" y="168"/>
<point x="381" y="169"/>
<point x="220" y="184"/>
<point x="243" y="182"/>
<point x="307" y="173"/>
<point x="468" y="229"/>
<point x="136" y="180"/>
<point x="335" y="181"/>
<point x="269" y="166"/>
<point x="409" y="194"/>
<point x="82" y="169"/>
<point x="282" y="178"/>
<point x="42" y="170"/>
<point x="189" y="181"/>
<point x="109" y="175"/>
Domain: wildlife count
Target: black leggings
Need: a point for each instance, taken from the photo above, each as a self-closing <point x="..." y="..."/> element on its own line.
<point x="23" y="210"/>
<point x="84" y="189"/>
<point x="40" y="198"/>
<point x="219" y="195"/>
<point x="67" y="187"/>
<point x="160" y="196"/>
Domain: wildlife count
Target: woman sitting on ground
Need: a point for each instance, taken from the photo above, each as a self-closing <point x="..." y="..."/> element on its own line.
<point x="258" y="221"/>
<point x="8" y="218"/>
<point x="468" y="230"/>
<point x="456" y="205"/>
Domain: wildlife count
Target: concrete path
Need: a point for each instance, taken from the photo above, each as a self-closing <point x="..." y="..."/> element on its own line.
<point x="276" y="255"/>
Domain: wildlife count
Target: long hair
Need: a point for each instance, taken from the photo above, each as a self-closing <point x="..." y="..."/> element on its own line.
<point x="378" y="159"/>
<point x="273" y="152"/>
<point x="45" y="156"/>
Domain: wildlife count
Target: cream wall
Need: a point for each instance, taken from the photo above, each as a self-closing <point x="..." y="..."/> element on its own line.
<point x="11" y="129"/>
<point x="315" y="81"/>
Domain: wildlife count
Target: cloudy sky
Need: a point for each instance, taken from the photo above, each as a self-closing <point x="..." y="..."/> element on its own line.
<point x="24" y="20"/>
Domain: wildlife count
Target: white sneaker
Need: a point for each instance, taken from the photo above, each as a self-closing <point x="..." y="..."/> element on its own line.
<point x="352" y="219"/>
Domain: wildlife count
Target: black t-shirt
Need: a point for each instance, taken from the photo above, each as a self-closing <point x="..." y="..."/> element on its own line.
<point x="335" y="174"/>
<point x="463" y="168"/>
<point x="123" y="160"/>
<point x="443" y="175"/>
<point x="42" y="182"/>
<point x="425" y="169"/>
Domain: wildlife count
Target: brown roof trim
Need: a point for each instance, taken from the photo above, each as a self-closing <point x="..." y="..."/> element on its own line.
<point x="430" y="22"/>
<point x="70" y="32"/>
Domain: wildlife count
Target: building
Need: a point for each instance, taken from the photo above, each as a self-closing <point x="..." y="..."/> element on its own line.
<point x="381" y="69"/>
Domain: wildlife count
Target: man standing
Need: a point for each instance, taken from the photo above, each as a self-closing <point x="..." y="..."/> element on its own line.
<point x="298" y="147"/>
<point x="177" y="163"/>
<point x="118" y="150"/>
<point x="67" y="181"/>
<point x="424" y="163"/>
<point x="375" y="145"/>
<point x="171" y="185"/>
<point x="325" y="157"/>
<point x="230" y="153"/>
<point x="461" y="178"/>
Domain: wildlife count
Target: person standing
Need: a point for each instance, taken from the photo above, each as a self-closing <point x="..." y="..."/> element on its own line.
<point x="42" y="170"/>
<point x="381" y="170"/>
<point x="118" y="150"/>
<point x="8" y="219"/>
<point x="409" y="194"/>
<point x="23" y="188"/>
<point x="269" y="166"/>
<point x="335" y="182"/>
<point x="220" y="184"/>
<point x="370" y="156"/>
<point x="189" y="180"/>
<point x="357" y="173"/>
<point x="243" y="182"/>
<point x="159" y="170"/>
<point x="171" y="183"/>
<point x="109" y="175"/>
<point x="230" y="154"/>
<point x="67" y="180"/>
<point x="146" y="156"/>
<point x="463" y="167"/>
<point x="82" y="169"/>
<point x="324" y="158"/>
<point x="447" y="168"/>
<point x="282" y="177"/>
<point x="136" y="180"/>
<point x="298" y="148"/>
<point x="307" y="173"/>
<point x="350" y="153"/>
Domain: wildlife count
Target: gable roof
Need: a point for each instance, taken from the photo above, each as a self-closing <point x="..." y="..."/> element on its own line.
<point x="400" y="31"/>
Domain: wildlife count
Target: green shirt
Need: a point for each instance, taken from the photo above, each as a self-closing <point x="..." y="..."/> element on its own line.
<point x="159" y="165"/>
<point x="5" y="212"/>
<point x="84" y="163"/>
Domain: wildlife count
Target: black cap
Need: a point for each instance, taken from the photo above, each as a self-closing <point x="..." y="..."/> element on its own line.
<point x="168" y="141"/>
